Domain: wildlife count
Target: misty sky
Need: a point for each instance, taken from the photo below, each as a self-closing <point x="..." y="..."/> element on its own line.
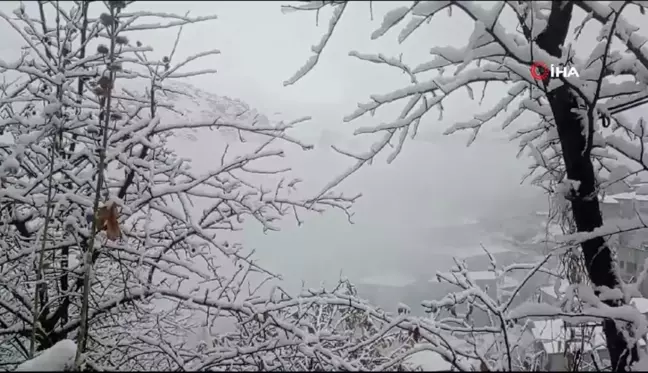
<point x="436" y="181"/>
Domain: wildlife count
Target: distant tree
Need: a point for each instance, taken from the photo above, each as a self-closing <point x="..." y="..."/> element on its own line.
<point x="580" y="141"/>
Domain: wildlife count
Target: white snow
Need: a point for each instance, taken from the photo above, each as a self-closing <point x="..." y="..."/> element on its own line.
<point x="10" y="164"/>
<point x="390" y="279"/>
<point x="57" y="358"/>
<point x="551" y="289"/>
<point x="608" y="199"/>
<point x="507" y="281"/>
<point x="640" y="303"/>
<point x="427" y="8"/>
<point x="482" y="275"/>
<point x="470" y="221"/>
<point x="464" y="253"/>
<point x="429" y="361"/>
<point x="547" y="233"/>
<point x="411" y="26"/>
<point x="553" y="335"/>
<point x="610" y="227"/>
<point x="490" y="275"/>
<point x="317" y="49"/>
<point x="615" y="198"/>
<point x="391" y="19"/>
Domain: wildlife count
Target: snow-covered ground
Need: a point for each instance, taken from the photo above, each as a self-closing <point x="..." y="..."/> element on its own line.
<point x="415" y="215"/>
<point x="389" y="289"/>
<point x="429" y="361"/>
<point x="57" y="358"/>
<point x="389" y="279"/>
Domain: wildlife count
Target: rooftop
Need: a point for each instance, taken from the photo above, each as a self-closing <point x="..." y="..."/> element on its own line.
<point x="555" y="335"/>
<point x="551" y="290"/>
<point x="627" y="196"/>
<point x="641" y="304"/>
<point x="507" y="281"/>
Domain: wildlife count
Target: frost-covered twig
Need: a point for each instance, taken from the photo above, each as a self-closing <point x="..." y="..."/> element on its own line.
<point x="110" y="21"/>
<point x="566" y="140"/>
<point x="179" y="225"/>
<point x="58" y="358"/>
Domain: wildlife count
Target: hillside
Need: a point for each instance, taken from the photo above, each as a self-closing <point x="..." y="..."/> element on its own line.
<point x="196" y="105"/>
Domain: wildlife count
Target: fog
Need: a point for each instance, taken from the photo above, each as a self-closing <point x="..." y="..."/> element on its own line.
<point x="415" y="213"/>
<point x="413" y="216"/>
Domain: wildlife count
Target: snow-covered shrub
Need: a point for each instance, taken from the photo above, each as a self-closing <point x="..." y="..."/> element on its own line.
<point x="57" y="358"/>
<point x="139" y="271"/>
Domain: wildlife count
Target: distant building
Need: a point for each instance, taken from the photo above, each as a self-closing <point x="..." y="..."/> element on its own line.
<point x="388" y="289"/>
<point x="631" y="247"/>
<point x="556" y="340"/>
<point x="548" y="295"/>
<point x="488" y="281"/>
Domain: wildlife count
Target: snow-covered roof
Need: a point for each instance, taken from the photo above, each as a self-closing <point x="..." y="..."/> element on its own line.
<point x="489" y="275"/>
<point x="608" y="199"/>
<point x="507" y="281"/>
<point x="549" y="290"/>
<point x="547" y="329"/>
<point x="389" y="279"/>
<point x="640" y="303"/>
<point x="553" y="335"/>
<point x="429" y="361"/>
<point x="626" y="196"/>
<point x="57" y="358"/>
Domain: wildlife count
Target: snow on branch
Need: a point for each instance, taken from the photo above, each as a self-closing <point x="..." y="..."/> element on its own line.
<point x="177" y="249"/>
<point x="338" y="10"/>
<point x="610" y="227"/>
<point x="58" y="358"/>
<point x="495" y="53"/>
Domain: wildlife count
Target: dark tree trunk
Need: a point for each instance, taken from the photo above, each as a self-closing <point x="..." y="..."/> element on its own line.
<point x="578" y="164"/>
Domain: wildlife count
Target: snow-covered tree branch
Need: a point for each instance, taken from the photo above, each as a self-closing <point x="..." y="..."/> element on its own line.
<point x="84" y="104"/>
<point x="115" y="247"/>
<point x="572" y="126"/>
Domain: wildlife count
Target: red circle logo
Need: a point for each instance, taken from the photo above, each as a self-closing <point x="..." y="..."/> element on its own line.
<point x="539" y="71"/>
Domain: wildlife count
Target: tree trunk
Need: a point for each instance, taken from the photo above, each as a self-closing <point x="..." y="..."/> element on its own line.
<point x="579" y="167"/>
